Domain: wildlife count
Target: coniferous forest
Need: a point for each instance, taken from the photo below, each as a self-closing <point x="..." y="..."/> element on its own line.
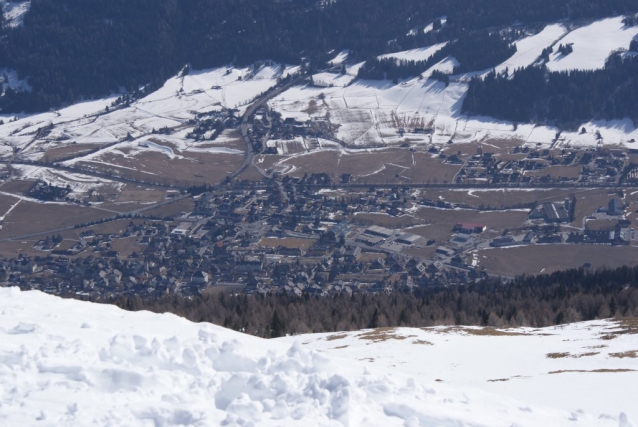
<point x="545" y="300"/>
<point x="561" y="98"/>
<point x="77" y="49"/>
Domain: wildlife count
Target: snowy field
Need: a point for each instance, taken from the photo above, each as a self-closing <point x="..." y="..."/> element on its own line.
<point x="529" y="49"/>
<point x="71" y="363"/>
<point x="420" y="54"/>
<point x="14" y="11"/>
<point x="592" y="45"/>
<point x="178" y="101"/>
<point x="372" y="113"/>
<point x="572" y="368"/>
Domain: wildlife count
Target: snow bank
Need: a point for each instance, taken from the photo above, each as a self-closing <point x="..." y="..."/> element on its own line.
<point x="70" y="363"/>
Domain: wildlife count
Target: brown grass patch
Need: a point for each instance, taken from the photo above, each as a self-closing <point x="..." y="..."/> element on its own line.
<point x="29" y="218"/>
<point x="572" y="356"/>
<point x="550" y="258"/>
<point x="422" y="342"/>
<point x="273" y="242"/>
<point x="336" y="337"/>
<point x="383" y="334"/>
<point x="68" y="151"/>
<point x="340" y="347"/>
<point x="487" y="331"/>
<point x="624" y="326"/>
<point x="632" y="354"/>
<point x="557" y="355"/>
<point x="600" y="371"/>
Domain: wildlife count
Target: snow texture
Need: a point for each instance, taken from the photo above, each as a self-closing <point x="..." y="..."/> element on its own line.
<point x="72" y="363"/>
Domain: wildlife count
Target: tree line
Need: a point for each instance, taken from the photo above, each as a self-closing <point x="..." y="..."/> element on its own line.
<point x="76" y="49"/>
<point x="565" y="99"/>
<point x="535" y="301"/>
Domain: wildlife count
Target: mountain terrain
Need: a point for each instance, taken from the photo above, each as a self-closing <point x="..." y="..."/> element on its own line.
<point x="66" y="362"/>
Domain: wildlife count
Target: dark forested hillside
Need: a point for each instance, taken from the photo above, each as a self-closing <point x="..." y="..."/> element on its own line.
<point x="71" y="49"/>
<point x="546" y="300"/>
<point x="565" y="99"/>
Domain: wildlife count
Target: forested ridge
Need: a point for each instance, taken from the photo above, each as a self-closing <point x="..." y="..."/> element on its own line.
<point x="565" y="99"/>
<point x="536" y="301"/>
<point x="74" y="49"/>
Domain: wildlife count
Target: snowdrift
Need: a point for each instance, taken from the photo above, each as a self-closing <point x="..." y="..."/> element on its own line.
<point x="71" y="363"/>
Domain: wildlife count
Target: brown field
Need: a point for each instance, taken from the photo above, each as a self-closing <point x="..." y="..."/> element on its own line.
<point x="272" y="242"/>
<point x="588" y="201"/>
<point x="558" y="172"/>
<point x="492" y="219"/>
<point x="133" y="193"/>
<point x="550" y="258"/>
<point x="183" y="205"/>
<point x="63" y="152"/>
<point x="29" y="218"/>
<point x="195" y="168"/>
<point x="498" y="198"/>
<point x="126" y="246"/>
<point x="250" y="174"/>
<point x="424" y="252"/>
<point x="17" y="186"/>
<point x="387" y="221"/>
<point x="6" y="202"/>
<point x="387" y="166"/>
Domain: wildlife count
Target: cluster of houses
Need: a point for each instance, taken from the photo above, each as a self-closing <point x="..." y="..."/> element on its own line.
<point x="539" y="166"/>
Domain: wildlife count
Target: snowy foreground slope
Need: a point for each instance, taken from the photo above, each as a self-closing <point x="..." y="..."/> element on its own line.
<point x="73" y="363"/>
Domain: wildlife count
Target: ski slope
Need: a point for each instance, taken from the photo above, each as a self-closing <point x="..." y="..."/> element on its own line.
<point x="72" y="363"/>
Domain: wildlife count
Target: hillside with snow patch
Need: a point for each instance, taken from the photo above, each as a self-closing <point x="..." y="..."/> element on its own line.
<point x="72" y="363"/>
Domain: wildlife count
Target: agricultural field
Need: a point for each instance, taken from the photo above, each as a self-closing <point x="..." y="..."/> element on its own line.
<point x="537" y="259"/>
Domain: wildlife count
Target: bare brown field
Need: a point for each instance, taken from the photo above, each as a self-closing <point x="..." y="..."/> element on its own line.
<point x="357" y="164"/>
<point x="426" y="169"/>
<point x="133" y="193"/>
<point x="56" y="154"/>
<point x="6" y="202"/>
<point x="126" y="246"/>
<point x="195" y="168"/>
<point x="273" y="242"/>
<point x="441" y="222"/>
<point x="183" y="205"/>
<point x="588" y="201"/>
<point x="384" y="220"/>
<point x="268" y="161"/>
<point x="492" y="219"/>
<point x="392" y="165"/>
<point x="550" y="258"/>
<point x="13" y="249"/>
<point x="250" y="174"/>
<point x="28" y="218"/>
<point x="423" y="252"/>
<point x="568" y="172"/>
<point x="17" y="186"/>
<point x="498" y="198"/>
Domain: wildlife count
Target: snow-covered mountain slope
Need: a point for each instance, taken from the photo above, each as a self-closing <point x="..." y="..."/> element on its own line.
<point x="589" y="368"/>
<point x="592" y="45"/>
<point x="71" y="363"/>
